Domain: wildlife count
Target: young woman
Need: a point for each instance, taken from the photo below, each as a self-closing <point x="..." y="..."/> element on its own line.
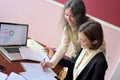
<point x="90" y="63"/>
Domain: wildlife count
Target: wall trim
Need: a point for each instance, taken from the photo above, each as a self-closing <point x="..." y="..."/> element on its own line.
<point x="99" y="20"/>
<point x="107" y="24"/>
<point x="116" y="66"/>
<point x="56" y="3"/>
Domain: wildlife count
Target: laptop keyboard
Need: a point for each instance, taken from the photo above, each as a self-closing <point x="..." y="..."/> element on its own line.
<point x="12" y="50"/>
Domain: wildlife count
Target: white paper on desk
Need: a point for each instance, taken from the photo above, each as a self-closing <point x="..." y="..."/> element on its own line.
<point x="36" y="67"/>
<point x="34" y="45"/>
<point x="3" y="76"/>
<point x="30" y="54"/>
<point x="14" y="76"/>
<point x="37" y="75"/>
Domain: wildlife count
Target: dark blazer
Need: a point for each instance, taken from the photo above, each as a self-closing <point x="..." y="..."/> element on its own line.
<point x="94" y="70"/>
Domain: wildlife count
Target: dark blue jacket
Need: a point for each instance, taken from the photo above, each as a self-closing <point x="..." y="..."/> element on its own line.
<point x="94" y="70"/>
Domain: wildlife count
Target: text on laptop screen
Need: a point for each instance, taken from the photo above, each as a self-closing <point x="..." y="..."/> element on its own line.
<point x="13" y="34"/>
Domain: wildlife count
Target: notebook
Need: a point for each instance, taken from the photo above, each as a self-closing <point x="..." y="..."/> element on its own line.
<point x="13" y="36"/>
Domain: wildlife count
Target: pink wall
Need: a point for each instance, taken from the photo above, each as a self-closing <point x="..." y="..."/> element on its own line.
<point x="43" y="18"/>
<point x="44" y="25"/>
<point x="113" y="51"/>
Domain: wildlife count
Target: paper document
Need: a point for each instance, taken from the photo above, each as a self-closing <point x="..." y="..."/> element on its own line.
<point x="34" y="45"/>
<point x="3" y="76"/>
<point x="30" y="54"/>
<point x="34" y="71"/>
<point x="14" y="76"/>
<point x="36" y="67"/>
<point x="37" y="75"/>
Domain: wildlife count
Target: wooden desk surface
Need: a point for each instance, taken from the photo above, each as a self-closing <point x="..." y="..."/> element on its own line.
<point x="16" y="66"/>
<point x="10" y="66"/>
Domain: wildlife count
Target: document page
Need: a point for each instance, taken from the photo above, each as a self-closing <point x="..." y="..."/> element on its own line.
<point x="37" y="75"/>
<point x="37" y="68"/>
<point x="14" y="76"/>
<point x="3" y="76"/>
<point x="33" y="71"/>
<point x="34" y="45"/>
<point x="30" y="54"/>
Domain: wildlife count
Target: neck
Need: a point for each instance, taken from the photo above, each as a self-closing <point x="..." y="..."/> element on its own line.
<point x="89" y="51"/>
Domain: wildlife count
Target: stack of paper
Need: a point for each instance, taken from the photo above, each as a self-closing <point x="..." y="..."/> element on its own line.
<point x="3" y="76"/>
<point x="34" y="71"/>
<point x="12" y="76"/>
<point x="34" y="45"/>
<point x="34" y="51"/>
<point x="31" y="54"/>
<point x="36" y="75"/>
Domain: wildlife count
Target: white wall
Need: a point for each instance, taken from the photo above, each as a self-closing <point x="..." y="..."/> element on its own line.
<point x="44" y="25"/>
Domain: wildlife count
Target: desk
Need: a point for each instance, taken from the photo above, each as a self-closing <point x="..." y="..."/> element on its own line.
<point x="16" y="66"/>
<point x="10" y="66"/>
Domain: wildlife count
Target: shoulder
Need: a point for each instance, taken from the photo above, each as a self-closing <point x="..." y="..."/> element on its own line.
<point x="99" y="55"/>
<point x="100" y="61"/>
<point x="100" y="58"/>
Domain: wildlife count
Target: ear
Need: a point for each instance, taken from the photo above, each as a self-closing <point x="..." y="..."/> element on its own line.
<point x="95" y="42"/>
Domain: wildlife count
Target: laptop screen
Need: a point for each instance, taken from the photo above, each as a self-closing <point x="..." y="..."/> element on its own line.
<point x="12" y="34"/>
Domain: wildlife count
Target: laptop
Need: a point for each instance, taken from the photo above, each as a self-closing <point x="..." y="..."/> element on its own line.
<point x="12" y="37"/>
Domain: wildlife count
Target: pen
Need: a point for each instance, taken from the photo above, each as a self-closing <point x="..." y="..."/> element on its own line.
<point x="44" y="60"/>
<point x="43" y="67"/>
<point x="54" y="49"/>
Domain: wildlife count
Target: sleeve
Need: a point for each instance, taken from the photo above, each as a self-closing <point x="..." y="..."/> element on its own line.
<point x="69" y="62"/>
<point x="100" y="71"/>
<point x="66" y="62"/>
<point x="62" y="48"/>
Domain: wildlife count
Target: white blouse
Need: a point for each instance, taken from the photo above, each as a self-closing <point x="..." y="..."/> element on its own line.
<point x="68" y="36"/>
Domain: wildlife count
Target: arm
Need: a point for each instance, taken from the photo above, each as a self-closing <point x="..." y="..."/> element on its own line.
<point x="62" y="48"/>
<point x="69" y="62"/>
<point x="66" y="62"/>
